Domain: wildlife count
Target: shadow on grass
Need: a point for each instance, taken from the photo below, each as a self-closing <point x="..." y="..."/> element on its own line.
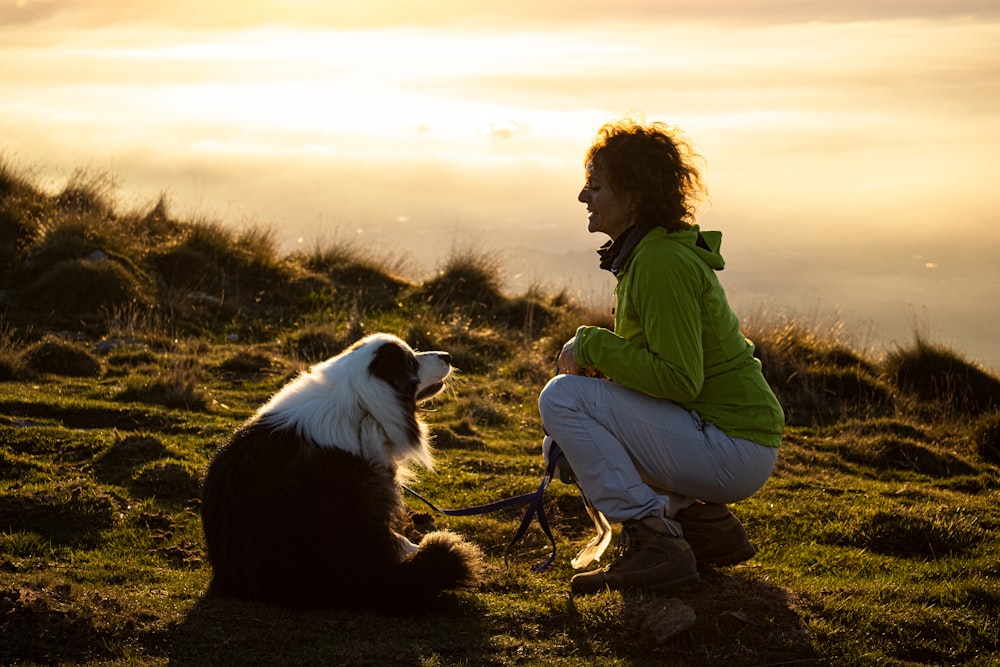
<point x="740" y="621"/>
<point x="228" y="631"/>
<point x="743" y="620"/>
<point x="122" y="418"/>
<point x="47" y="620"/>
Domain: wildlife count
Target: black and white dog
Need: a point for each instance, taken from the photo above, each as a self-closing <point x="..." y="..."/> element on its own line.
<point x="301" y="507"/>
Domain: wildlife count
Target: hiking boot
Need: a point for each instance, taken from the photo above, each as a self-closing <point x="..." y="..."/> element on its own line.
<point x="649" y="556"/>
<point x="715" y="535"/>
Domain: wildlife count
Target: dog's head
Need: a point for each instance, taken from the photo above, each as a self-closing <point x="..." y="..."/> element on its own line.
<point x="398" y="379"/>
<point x="364" y="401"/>
<point x="416" y="376"/>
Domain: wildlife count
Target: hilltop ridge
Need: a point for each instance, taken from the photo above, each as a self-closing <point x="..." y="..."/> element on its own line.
<point x="132" y="344"/>
<point x="70" y="262"/>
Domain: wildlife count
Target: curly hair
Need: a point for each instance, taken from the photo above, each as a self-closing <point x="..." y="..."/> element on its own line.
<point x="654" y="165"/>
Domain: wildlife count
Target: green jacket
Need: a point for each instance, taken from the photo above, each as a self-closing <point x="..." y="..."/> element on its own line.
<point x="677" y="338"/>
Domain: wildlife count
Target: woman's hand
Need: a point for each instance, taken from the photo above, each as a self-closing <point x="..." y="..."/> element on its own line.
<point x="566" y="364"/>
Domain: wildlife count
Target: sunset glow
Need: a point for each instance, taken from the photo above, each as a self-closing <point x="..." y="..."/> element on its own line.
<point x="874" y="121"/>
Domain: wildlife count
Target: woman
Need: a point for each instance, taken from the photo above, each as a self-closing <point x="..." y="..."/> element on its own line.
<point x="667" y="418"/>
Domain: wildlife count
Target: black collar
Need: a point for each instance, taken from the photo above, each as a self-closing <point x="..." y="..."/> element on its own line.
<point x="613" y="254"/>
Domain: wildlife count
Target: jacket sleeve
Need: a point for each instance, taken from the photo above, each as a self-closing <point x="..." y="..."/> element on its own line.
<point x="665" y="356"/>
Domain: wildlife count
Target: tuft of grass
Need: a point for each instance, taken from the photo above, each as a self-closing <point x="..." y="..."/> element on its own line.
<point x="816" y="374"/>
<point x="12" y="364"/>
<point x="117" y="463"/>
<point x="184" y="269"/>
<point x="469" y="282"/>
<point x="22" y="209"/>
<point x="169" y="482"/>
<point x="73" y="513"/>
<point x="943" y="380"/>
<point x="74" y="235"/>
<point x="76" y="285"/>
<point x="12" y="181"/>
<point x="87" y="193"/>
<point x="887" y="445"/>
<point x="986" y="436"/>
<point x="906" y="532"/>
<point x="474" y="349"/>
<point x="179" y="387"/>
<point x="247" y="363"/>
<point x="61" y="357"/>
<point x="317" y="342"/>
<point x="134" y="329"/>
<point x="364" y="279"/>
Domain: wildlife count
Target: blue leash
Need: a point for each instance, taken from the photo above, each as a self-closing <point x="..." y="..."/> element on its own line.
<point x="535" y="508"/>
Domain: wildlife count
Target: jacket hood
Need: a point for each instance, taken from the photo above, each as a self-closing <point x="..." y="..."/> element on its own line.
<point x="707" y="245"/>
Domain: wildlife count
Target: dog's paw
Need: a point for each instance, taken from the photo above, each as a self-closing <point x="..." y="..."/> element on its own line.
<point x="407" y="546"/>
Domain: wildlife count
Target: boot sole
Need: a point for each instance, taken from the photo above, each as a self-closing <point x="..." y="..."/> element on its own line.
<point x="745" y="552"/>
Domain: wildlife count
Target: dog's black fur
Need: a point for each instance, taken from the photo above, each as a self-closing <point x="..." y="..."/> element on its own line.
<point x="294" y="518"/>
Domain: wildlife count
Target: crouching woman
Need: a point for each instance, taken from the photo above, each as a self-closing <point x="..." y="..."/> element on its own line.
<point x="667" y="418"/>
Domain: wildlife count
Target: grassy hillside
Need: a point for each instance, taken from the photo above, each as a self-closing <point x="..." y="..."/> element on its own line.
<point x="132" y="344"/>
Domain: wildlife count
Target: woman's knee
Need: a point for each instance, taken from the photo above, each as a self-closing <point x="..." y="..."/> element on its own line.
<point x="554" y="396"/>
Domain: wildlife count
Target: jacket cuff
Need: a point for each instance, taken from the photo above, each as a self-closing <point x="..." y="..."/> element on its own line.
<point x="580" y="346"/>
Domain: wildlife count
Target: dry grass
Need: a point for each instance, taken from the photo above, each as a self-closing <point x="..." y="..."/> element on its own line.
<point x="876" y="531"/>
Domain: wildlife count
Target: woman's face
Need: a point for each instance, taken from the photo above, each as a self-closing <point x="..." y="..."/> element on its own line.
<point x="610" y="213"/>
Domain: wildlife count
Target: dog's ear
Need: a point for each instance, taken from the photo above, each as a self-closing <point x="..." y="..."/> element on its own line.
<point x="396" y="366"/>
<point x="407" y="385"/>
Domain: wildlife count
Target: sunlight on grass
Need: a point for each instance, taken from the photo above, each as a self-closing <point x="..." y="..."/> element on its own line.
<point x="875" y="532"/>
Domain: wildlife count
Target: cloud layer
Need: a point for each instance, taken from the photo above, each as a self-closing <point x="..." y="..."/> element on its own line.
<point x="842" y="139"/>
<point x="461" y="13"/>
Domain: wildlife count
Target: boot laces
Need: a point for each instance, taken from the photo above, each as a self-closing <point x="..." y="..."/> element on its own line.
<point x="626" y="541"/>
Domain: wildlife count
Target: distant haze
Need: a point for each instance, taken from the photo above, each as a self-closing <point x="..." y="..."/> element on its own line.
<point x="850" y="148"/>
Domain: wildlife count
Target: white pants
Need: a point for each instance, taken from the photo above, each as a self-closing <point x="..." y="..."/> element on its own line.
<point x="634" y="455"/>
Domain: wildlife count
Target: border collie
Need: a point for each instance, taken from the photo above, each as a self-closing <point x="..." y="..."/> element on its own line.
<point x="301" y="506"/>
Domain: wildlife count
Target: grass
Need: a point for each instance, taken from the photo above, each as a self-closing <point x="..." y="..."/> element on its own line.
<point x="877" y="533"/>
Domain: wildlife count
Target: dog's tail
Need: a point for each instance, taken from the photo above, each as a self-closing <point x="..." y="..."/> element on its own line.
<point x="443" y="561"/>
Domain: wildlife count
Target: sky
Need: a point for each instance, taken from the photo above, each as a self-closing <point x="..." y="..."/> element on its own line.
<point x="850" y="149"/>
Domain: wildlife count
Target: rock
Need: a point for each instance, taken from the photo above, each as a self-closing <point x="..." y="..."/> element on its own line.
<point x="661" y="620"/>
